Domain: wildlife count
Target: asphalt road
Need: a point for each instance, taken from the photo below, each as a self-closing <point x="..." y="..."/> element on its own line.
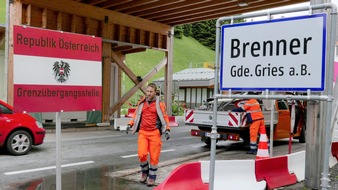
<point x="83" y="150"/>
<point x="87" y="155"/>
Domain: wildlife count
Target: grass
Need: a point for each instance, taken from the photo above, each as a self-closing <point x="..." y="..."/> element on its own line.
<point x="2" y="11"/>
<point x="188" y="52"/>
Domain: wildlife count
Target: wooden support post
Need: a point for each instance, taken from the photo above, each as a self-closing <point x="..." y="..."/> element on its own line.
<point x="106" y="71"/>
<point x="29" y="15"/>
<point x="44" y="18"/>
<point x="119" y="88"/>
<point x="74" y="22"/>
<point x="169" y="72"/>
<point x="15" y="19"/>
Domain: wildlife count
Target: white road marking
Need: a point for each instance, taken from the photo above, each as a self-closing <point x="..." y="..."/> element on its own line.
<point x="198" y="145"/>
<point x="47" y="168"/>
<point x="134" y="155"/>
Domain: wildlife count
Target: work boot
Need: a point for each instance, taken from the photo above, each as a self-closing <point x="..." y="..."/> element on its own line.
<point x="252" y="151"/>
<point x="144" y="177"/>
<point x="144" y="171"/>
<point x="151" y="182"/>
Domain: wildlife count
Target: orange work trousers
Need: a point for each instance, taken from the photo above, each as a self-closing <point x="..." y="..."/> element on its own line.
<point x="149" y="142"/>
<point x="256" y="126"/>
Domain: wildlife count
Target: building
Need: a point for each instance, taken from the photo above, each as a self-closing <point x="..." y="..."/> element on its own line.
<point x="191" y="86"/>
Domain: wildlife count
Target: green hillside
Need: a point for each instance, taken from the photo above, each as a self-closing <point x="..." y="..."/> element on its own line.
<point x="188" y="52"/>
<point x="2" y="11"/>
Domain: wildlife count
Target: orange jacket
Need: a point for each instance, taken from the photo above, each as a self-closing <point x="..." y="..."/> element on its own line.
<point x="252" y="106"/>
<point x="161" y="113"/>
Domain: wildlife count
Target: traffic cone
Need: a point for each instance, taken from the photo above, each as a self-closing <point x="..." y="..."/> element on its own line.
<point x="263" y="147"/>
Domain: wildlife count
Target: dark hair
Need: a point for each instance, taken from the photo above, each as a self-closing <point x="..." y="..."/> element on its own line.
<point x="153" y="85"/>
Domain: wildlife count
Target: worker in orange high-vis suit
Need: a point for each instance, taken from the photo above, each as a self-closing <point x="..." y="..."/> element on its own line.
<point x="256" y="119"/>
<point x="150" y="120"/>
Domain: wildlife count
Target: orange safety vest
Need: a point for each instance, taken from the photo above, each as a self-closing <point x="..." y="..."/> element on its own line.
<point x="252" y="106"/>
<point x="161" y="112"/>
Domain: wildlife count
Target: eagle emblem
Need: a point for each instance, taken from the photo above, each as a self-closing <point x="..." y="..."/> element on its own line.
<point x="61" y="71"/>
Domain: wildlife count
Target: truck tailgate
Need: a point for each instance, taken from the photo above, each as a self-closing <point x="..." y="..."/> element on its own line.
<point x="224" y="118"/>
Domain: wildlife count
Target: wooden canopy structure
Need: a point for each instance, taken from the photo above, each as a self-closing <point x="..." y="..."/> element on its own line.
<point x="126" y="26"/>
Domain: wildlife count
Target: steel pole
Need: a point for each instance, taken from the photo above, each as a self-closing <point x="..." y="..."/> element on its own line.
<point x="327" y="135"/>
<point x="58" y="152"/>
<point x="213" y="135"/>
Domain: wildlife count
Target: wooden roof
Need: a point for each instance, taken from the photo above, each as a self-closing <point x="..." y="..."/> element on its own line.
<point x="177" y="12"/>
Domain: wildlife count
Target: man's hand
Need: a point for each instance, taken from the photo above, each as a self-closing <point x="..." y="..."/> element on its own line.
<point x="128" y="128"/>
<point x="167" y="134"/>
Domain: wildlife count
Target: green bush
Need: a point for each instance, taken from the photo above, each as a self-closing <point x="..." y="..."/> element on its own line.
<point x="177" y="109"/>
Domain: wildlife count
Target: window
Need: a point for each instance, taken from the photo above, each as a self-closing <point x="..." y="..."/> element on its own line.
<point x="5" y="110"/>
<point x="282" y="105"/>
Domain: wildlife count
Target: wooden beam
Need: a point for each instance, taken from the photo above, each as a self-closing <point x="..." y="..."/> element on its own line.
<point x="85" y="10"/>
<point x="197" y="12"/>
<point x="155" y="5"/>
<point x="87" y="23"/>
<point x="29" y="15"/>
<point x="134" y="50"/>
<point x="221" y="12"/>
<point x="73" y="24"/>
<point x="95" y="2"/>
<point x="133" y="90"/>
<point x="116" y="56"/>
<point x="121" y="48"/>
<point x="59" y="21"/>
<point x="44" y="18"/>
<point x="114" y="3"/>
<point x="171" y="10"/>
<point x="134" y="4"/>
<point x="138" y="36"/>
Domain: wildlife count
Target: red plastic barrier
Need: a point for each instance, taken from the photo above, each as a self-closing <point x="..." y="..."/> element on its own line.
<point x="130" y="112"/>
<point x="186" y="176"/>
<point x="172" y="121"/>
<point x="274" y="171"/>
<point x="334" y="149"/>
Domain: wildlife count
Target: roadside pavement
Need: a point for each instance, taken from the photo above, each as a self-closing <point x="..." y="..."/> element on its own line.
<point x="165" y="168"/>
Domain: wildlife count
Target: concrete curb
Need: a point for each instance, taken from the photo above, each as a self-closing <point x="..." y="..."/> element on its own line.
<point x="79" y="129"/>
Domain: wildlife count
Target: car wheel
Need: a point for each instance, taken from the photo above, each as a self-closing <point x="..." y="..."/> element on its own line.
<point x="19" y="143"/>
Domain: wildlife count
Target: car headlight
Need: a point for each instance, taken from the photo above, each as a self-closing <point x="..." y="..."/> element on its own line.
<point x="39" y="124"/>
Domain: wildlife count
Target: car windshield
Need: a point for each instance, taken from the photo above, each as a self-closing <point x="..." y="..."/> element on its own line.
<point x="5" y="110"/>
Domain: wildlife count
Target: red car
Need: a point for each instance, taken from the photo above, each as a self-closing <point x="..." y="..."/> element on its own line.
<point x="19" y="131"/>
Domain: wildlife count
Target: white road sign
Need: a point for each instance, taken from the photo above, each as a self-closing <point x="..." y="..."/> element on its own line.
<point x="285" y="54"/>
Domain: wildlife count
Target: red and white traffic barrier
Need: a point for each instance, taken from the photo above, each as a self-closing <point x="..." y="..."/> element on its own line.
<point x="262" y="174"/>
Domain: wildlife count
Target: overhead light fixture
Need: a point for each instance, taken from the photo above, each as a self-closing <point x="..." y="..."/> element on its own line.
<point x="243" y="4"/>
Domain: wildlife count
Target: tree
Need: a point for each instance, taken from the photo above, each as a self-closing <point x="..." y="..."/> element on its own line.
<point x="204" y="31"/>
<point x="178" y="31"/>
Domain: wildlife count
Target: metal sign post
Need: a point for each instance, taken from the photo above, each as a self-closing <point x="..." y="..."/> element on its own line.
<point x="292" y="125"/>
<point x="58" y="150"/>
<point x="258" y="63"/>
